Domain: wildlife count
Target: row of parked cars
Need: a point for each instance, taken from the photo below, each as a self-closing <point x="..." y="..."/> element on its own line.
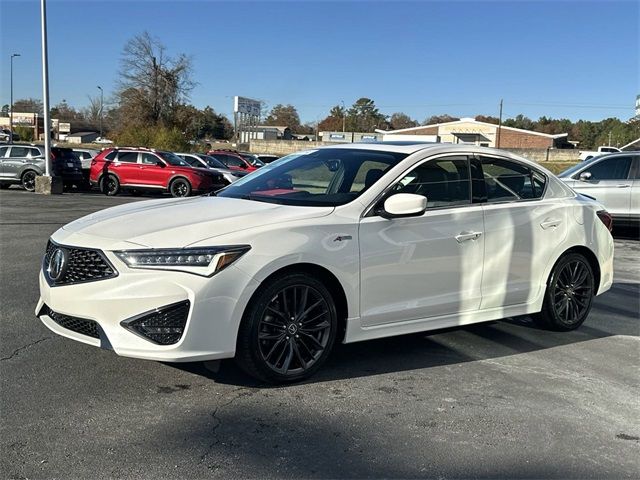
<point x="135" y="169"/>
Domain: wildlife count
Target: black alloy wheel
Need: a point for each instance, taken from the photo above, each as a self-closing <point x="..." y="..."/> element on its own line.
<point x="110" y="185"/>
<point x="180" y="188"/>
<point x="29" y="180"/>
<point x="569" y="294"/>
<point x="289" y="331"/>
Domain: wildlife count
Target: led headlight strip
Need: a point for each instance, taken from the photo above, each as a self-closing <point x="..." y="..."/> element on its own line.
<point x="205" y="261"/>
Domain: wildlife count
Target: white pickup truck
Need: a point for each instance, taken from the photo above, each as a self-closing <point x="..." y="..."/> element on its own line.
<point x="587" y="154"/>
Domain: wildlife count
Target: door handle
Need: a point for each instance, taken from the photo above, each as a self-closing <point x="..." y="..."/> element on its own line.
<point x="464" y="236"/>
<point x="622" y="185"/>
<point x="550" y="223"/>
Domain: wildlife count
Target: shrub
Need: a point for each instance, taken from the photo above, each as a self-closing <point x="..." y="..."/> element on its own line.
<point x="26" y="133"/>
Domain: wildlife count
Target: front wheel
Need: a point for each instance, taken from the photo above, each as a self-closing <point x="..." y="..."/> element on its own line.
<point x="180" y="188"/>
<point x="569" y="294"/>
<point x="288" y="330"/>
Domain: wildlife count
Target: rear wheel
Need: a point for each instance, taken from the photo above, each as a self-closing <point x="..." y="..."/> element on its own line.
<point x="29" y="180"/>
<point x="288" y="330"/>
<point x="180" y="188"/>
<point x="569" y="294"/>
<point x="109" y="185"/>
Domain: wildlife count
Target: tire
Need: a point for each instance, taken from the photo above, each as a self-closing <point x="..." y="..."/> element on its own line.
<point x="110" y="185"/>
<point x="180" y="188"/>
<point x="569" y="294"/>
<point x="286" y="334"/>
<point x="28" y="180"/>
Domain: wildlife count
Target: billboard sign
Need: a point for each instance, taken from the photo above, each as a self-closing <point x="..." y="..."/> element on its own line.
<point x="247" y="106"/>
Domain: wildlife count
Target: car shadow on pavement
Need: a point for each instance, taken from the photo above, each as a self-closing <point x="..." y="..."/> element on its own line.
<point x="619" y="307"/>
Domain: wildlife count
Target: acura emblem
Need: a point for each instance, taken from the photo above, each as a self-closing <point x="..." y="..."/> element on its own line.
<point x="57" y="264"/>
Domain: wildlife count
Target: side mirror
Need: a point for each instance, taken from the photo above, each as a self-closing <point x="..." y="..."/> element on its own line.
<point x="585" y="176"/>
<point x="403" y="205"/>
<point x="160" y="163"/>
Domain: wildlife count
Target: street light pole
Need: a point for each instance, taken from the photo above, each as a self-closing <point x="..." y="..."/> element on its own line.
<point x="344" y="116"/>
<point x="101" y="107"/>
<point x="11" y="112"/>
<point x="45" y="90"/>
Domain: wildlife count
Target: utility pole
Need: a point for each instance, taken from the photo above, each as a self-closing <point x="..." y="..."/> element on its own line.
<point x="45" y="90"/>
<point x="101" y="107"/>
<point x="11" y="112"/>
<point x="499" y="126"/>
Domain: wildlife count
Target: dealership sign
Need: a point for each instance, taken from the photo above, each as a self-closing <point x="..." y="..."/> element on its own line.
<point x="246" y="106"/>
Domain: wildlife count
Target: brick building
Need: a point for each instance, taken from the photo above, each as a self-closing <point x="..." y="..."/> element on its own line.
<point x="469" y="130"/>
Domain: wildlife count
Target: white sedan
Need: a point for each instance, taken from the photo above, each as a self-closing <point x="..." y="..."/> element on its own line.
<point x="343" y="243"/>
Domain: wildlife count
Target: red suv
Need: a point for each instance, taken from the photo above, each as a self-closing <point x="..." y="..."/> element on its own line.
<point x="233" y="160"/>
<point x="141" y="169"/>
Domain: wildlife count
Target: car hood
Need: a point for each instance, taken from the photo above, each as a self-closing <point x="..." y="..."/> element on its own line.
<point x="177" y="222"/>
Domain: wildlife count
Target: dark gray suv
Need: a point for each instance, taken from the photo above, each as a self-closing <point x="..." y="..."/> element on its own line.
<point x="21" y="164"/>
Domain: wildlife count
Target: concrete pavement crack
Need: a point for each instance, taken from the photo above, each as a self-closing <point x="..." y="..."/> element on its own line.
<point x="17" y="351"/>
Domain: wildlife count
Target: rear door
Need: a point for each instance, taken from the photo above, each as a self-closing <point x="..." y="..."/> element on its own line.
<point x="17" y="158"/>
<point x="609" y="183"/>
<point x="520" y="226"/>
<point x="125" y="166"/>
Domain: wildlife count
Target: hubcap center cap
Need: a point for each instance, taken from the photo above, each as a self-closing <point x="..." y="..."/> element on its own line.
<point x="292" y="328"/>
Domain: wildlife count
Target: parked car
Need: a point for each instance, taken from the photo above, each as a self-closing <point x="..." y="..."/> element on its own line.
<point x="613" y="180"/>
<point x="266" y="158"/>
<point x="233" y="160"/>
<point x="602" y="150"/>
<point x="103" y="140"/>
<point x="142" y="169"/>
<point x="86" y="155"/>
<point x="21" y="164"/>
<point x="200" y="160"/>
<point x="5" y="135"/>
<point x="335" y="244"/>
<point x="252" y="158"/>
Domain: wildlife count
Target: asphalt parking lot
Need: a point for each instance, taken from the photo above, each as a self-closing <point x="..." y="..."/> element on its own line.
<point x="497" y="400"/>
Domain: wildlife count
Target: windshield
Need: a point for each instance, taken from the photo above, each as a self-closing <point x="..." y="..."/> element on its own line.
<point x="173" y="159"/>
<point x="325" y="177"/>
<point x="212" y="161"/>
<point x="570" y="171"/>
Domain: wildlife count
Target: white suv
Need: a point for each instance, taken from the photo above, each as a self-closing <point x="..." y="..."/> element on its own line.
<point x="343" y="243"/>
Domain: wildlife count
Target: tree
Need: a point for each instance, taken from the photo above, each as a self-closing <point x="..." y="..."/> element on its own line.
<point x="152" y="84"/>
<point x="487" y="119"/>
<point x="284" y="115"/>
<point x="364" y="116"/>
<point x="28" y="105"/>
<point x="520" y="121"/>
<point x="439" y="119"/>
<point x="66" y="113"/>
<point x="400" y="120"/>
<point x="334" y="121"/>
<point x="4" y="112"/>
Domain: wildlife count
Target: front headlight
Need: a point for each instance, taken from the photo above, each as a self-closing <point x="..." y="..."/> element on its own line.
<point x="205" y="261"/>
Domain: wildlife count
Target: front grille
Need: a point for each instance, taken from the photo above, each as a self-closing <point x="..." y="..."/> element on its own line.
<point x="164" y="325"/>
<point x="82" y="265"/>
<point x="75" y="324"/>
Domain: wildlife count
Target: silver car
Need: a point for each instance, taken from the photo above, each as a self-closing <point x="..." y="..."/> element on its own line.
<point x="207" y="161"/>
<point x="613" y="180"/>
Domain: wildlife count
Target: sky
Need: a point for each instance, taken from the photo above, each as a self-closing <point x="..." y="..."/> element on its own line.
<point x="567" y="59"/>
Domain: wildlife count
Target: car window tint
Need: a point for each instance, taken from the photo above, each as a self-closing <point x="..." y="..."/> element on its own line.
<point x="368" y="174"/>
<point x="149" y="159"/>
<point x="18" y="152"/>
<point x="191" y="160"/>
<point x="230" y="160"/>
<point x="506" y="180"/>
<point x="3" y="151"/>
<point x="111" y="155"/>
<point x="34" y="152"/>
<point x="615" y="168"/>
<point x="128" y="157"/>
<point x="445" y="182"/>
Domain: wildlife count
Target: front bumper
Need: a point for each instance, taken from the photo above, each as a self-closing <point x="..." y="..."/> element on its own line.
<point x="216" y="305"/>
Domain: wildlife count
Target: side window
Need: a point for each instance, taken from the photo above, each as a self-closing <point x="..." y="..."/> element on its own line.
<point x="637" y="160"/>
<point x="445" y="182"/>
<point x="34" y="152"/>
<point x="111" y="155"/>
<point x="230" y="161"/>
<point x="368" y="174"/>
<point x="149" y="159"/>
<point x="128" y="157"/>
<point x="3" y="151"/>
<point x="506" y="180"/>
<point x="616" y="168"/>
<point x="191" y="161"/>
<point x="19" y="152"/>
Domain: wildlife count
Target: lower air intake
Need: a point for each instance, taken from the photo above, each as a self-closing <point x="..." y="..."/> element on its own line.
<point x="75" y="324"/>
<point x="164" y="325"/>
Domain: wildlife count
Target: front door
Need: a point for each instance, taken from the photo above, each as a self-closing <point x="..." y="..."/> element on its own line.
<point x="426" y="266"/>
<point x="151" y="173"/>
